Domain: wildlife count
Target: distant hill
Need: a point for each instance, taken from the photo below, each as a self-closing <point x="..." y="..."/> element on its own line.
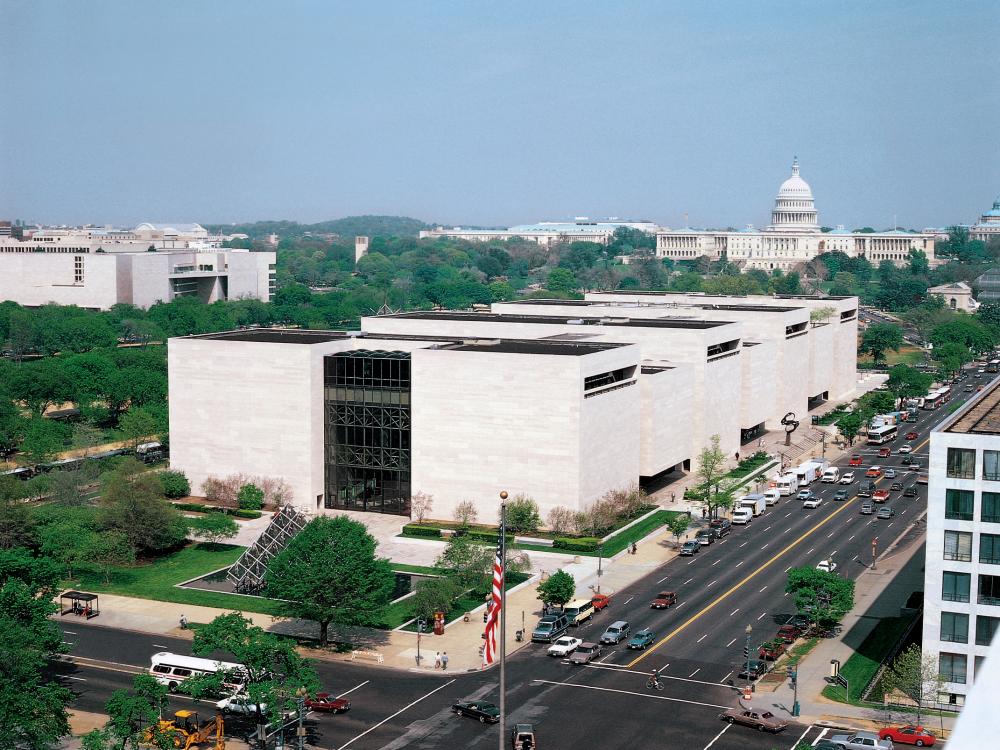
<point x="349" y="226"/>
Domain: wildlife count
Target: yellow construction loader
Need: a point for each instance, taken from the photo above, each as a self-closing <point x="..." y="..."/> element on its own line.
<point x="187" y="732"/>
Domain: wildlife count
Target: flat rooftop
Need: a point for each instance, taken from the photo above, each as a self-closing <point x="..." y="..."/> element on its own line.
<point x="275" y="336"/>
<point x="982" y="416"/>
<point x="609" y="321"/>
<point x="694" y="302"/>
<point x="517" y="346"/>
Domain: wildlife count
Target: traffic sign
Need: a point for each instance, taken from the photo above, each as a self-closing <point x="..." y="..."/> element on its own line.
<point x="747" y="693"/>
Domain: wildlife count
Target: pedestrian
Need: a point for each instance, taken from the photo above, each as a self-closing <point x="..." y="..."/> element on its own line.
<point x="184" y="622"/>
<point x="444" y="660"/>
<point x="737" y="456"/>
<point x="673" y="497"/>
<point x="634" y="548"/>
<point x="437" y="660"/>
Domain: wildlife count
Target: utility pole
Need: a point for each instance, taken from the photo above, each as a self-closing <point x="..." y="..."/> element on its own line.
<point x="503" y="620"/>
<point x="746" y="653"/>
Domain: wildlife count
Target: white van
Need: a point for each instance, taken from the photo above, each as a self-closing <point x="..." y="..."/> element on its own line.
<point x="579" y="611"/>
<point x="787" y="484"/>
<point x="742" y="516"/>
<point x="771" y="496"/>
<point x="831" y="475"/>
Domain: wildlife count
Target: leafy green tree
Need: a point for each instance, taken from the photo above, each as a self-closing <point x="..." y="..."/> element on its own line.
<point x="522" y="515"/>
<point x="790" y="283"/>
<point x="137" y="425"/>
<point x="109" y="550"/>
<point x="988" y="315"/>
<point x="43" y="440"/>
<point x="678" y="525"/>
<point x="467" y="562"/>
<point x="67" y="544"/>
<point x="273" y="668"/>
<point x="133" y="718"/>
<point x="844" y="283"/>
<point x="919" y="265"/>
<point x="39" y="384"/>
<point x="501" y="291"/>
<point x="822" y="596"/>
<point x="214" y="527"/>
<point x="175" y="484"/>
<point x="951" y="356"/>
<point x="65" y="487"/>
<point x="329" y="573"/>
<point x="434" y="595"/>
<point x="916" y="675"/>
<point x="250" y="497"/>
<point x="964" y="330"/>
<point x="17" y="525"/>
<point x="849" y="425"/>
<point x="561" y="281"/>
<point x="12" y="423"/>
<point x="908" y="382"/>
<point x="558" y="588"/>
<point x="879" y="338"/>
<point x="133" y="504"/>
<point x="875" y="402"/>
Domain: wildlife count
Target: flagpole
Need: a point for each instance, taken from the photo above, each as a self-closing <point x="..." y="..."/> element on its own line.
<point x="503" y="620"/>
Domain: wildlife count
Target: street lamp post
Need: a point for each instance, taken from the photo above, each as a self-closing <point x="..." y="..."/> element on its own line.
<point x="600" y="569"/>
<point x="300" y="731"/>
<point x="746" y="652"/>
<point x="874" y="551"/>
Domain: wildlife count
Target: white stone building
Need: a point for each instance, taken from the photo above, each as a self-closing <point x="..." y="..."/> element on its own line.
<point x="956" y="295"/>
<point x="988" y="225"/>
<point x="546" y="233"/>
<point x="560" y="400"/>
<point x="962" y="568"/>
<point x="794" y="236"/>
<point x="100" y="267"/>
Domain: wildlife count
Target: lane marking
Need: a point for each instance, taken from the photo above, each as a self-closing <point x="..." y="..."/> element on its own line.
<point x="717" y="562"/>
<point x="810" y="550"/>
<point x="723" y="680"/>
<point x="787" y="569"/>
<point x="743" y="545"/>
<point x="695" y="672"/>
<point x="160" y="645"/>
<point x="699" y="641"/>
<point x="353" y="688"/>
<point x="788" y="514"/>
<point x="78" y="679"/>
<point x="787" y="530"/>
<point x="687" y="581"/>
<point x="851" y="537"/>
<point x="808" y="729"/>
<point x="734" y="611"/>
<point x="629" y="599"/>
<point x="70" y="632"/>
<point x="767" y="528"/>
<point x="830" y="534"/>
<point x="663" y="579"/>
<point x="762" y="590"/>
<point x="766" y="545"/>
<point x="716" y="738"/>
<point x="739" y="563"/>
<point x="833" y="553"/>
<point x="680" y="605"/>
<point x="732" y="641"/>
<point x="762" y="616"/>
<point x="626" y="692"/>
<point x="713" y="583"/>
<point x="393" y="716"/>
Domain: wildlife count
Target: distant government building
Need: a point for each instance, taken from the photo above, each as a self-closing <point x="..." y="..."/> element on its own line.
<point x="794" y="235"/>
<point x="97" y="267"/>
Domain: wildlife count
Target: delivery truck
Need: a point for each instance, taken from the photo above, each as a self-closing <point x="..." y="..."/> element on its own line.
<point x="755" y="503"/>
<point x="786" y="484"/>
<point x="831" y="475"/>
<point x="810" y="471"/>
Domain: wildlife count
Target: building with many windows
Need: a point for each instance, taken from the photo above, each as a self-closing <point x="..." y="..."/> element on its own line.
<point x="988" y="225"/>
<point x="560" y="400"/>
<point x="546" y="233"/>
<point x="962" y="569"/>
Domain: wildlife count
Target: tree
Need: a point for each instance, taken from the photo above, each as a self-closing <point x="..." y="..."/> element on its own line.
<point x="908" y="382"/>
<point x="134" y="717"/>
<point x="951" y="357"/>
<point x="465" y="513"/>
<point x="879" y="338"/>
<point x="137" y="425"/>
<point x="12" y="424"/>
<point x="558" y="588"/>
<point x="329" y="573"/>
<point x="919" y="265"/>
<point x="874" y="402"/>
<point x="964" y="330"/>
<point x="561" y="520"/>
<point x="64" y="487"/>
<point x="17" y="525"/>
<point x="711" y="466"/>
<point x="67" y="543"/>
<point x="561" y="281"/>
<point x="272" y="668"/>
<point x="522" y="515"/>
<point x="250" y="497"/>
<point x="434" y="595"/>
<point x="822" y="596"/>
<point x="134" y="505"/>
<point x="109" y="550"/>
<point x="467" y="562"/>
<point x="678" y="525"/>
<point x="175" y="484"/>
<point x="32" y="706"/>
<point x="849" y="425"/>
<point x="420" y="505"/>
<point x="916" y="675"/>
<point x="43" y="439"/>
<point x="821" y="314"/>
<point x="214" y="527"/>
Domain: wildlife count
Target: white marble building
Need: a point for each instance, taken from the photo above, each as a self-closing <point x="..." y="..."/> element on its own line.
<point x="962" y="568"/>
<point x="794" y="236"/>
<point x="988" y="225"/>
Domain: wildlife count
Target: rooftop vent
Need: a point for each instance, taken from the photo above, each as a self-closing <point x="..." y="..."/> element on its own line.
<point x="575" y="322"/>
<point x="480" y="342"/>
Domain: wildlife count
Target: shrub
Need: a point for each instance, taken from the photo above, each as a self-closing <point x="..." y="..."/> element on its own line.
<point x="226" y="490"/>
<point x="250" y="497"/>
<point x="581" y="544"/>
<point x="420" y="505"/>
<point x="412" y="529"/>
<point x="487" y="536"/>
<point x="522" y="515"/>
<point x="561" y="520"/>
<point x="193" y="507"/>
<point x="175" y="484"/>
<point x="465" y="513"/>
<point x="245" y="513"/>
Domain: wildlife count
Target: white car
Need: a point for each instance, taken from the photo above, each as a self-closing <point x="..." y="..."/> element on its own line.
<point x="564" y="646"/>
<point x="813" y="502"/>
<point x="828" y="565"/>
<point x="905" y="448"/>
<point x="241" y="705"/>
<point x="847" y="478"/>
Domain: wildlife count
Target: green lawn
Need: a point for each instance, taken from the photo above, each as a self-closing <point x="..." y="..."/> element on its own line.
<point x="907" y="355"/>
<point x="861" y="667"/>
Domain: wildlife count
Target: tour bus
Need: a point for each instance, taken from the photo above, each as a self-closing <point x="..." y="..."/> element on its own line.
<point x="172" y="669"/>
<point x="884" y="434"/>
<point x="993" y="366"/>
<point x="787" y="484"/>
<point x="936" y="398"/>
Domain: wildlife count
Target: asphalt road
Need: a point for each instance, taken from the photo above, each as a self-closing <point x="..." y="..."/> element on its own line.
<point x="737" y="581"/>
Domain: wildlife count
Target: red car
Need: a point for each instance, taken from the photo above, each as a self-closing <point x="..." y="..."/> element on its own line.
<point x="600" y="601"/>
<point x="908" y="735"/>
<point x="664" y="600"/>
<point x="884" y="452"/>
<point x="875" y="472"/>
<point x="880" y="496"/>
<point x="855" y="461"/>
<point x="788" y="633"/>
<point x="911" y="436"/>
<point x="328" y="704"/>
<point x="771" y="650"/>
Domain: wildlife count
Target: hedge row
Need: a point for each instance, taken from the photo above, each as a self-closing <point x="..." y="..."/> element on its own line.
<point x="199" y="508"/>
<point x="412" y="529"/>
<point x="577" y="544"/>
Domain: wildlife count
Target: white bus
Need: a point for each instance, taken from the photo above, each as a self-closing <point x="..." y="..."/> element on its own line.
<point x="884" y="434"/>
<point x="172" y="669"/>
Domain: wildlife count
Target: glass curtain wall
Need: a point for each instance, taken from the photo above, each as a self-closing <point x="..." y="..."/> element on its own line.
<point x="367" y="426"/>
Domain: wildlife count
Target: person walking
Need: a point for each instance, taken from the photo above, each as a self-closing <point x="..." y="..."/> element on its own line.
<point x="444" y="660"/>
<point x="634" y="548"/>
<point x="184" y="622"/>
<point x="437" y="660"/>
<point x="673" y="497"/>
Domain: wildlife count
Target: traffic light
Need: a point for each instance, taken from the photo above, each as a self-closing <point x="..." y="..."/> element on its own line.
<point x="746" y="652"/>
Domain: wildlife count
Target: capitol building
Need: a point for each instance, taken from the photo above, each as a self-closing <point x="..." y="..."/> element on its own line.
<point x="794" y="236"/>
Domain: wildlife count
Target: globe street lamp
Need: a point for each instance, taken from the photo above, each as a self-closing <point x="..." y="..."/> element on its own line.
<point x="300" y="731"/>
<point x="746" y="652"/>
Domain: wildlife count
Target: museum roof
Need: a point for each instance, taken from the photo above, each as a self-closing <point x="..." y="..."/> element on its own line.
<point x="979" y="417"/>
<point x="532" y="346"/>
<point x="276" y="336"/>
<point x="623" y="321"/>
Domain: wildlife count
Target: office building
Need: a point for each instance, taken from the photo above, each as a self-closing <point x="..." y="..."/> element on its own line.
<point x="546" y="233"/>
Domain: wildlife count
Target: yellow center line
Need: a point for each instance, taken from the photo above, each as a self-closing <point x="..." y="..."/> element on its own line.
<point x="764" y="566"/>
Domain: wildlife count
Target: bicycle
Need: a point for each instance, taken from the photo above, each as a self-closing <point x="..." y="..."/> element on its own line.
<point x="654" y="682"/>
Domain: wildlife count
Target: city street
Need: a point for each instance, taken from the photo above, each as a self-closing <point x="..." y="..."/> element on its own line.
<point x="735" y="582"/>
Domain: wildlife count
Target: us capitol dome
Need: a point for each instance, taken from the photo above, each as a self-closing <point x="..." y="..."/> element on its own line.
<point x="794" y="208"/>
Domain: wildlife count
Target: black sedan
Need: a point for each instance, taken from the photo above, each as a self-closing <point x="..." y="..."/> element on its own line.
<point x="758" y="669"/>
<point x="487" y="713"/>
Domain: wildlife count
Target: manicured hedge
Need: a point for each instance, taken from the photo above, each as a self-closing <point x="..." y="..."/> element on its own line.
<point x="199" y="508"/>
<point x="486" y="536"/>
<point x="244" y="513"/>
<point x="577" y="544"/>
<point x="412" y="529"/>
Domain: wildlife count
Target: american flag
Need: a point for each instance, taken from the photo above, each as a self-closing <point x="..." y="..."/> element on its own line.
<point x="493" y="615"/>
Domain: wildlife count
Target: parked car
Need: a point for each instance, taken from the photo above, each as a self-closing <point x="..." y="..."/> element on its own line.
<point x="890" y="473"/>
<point x="860" y="741"/>
<point x="840" y="495"/>
<point x="585" y="653"/>
<point x="867" y="509"/>
<point x="847" y="478"/>
<point x="757" y="669"/>
<point x="884" y="452"/>
<point x="904" y="449"/>
<point x="600" y="601"/>
<point x="909" y="734"/>
<point x="564" y="646"/>
<point x="240" y="705"/>
<point x="880" y="496"/>
<point x="549" y="628"/>
<point x="855" y="461"/>
<point x="721" y="526"/>
<point x="327" y="703"/>
<point x="874" y="472"/>
<point x="813" y="502"/>
<point x="770" y="650"/>
<point x="788" y="633"/>
<point x="705" y="537"/>
<point x="895" y="486"/>
<point x="910" y="491"/>
<point x="690" y="547"/>
<point x="762" y="720"/>
<point x="486" y="712"/>
<point x="641" y="640"/>
<point x="911" y="435"/>
<point x="805" y="494"/>
<point x="799" y="621"/>
<point x="906" y="461"/>
<point x="828" y="565"/>
<point x="664" y="600"/>
<point x="615" y="632"/>
<point x="885" y="512"/>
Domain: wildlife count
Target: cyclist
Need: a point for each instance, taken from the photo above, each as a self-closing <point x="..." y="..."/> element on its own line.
<point x="654" y="680"/>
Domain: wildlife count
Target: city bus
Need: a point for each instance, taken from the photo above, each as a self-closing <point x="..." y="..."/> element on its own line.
<point x="173" y="669"/>
<point x="934" y="399"/>
<point x="993" y="366"/>
<point x="884" y="434"/>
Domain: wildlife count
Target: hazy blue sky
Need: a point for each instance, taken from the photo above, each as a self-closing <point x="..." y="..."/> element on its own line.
<point x="496" y="113"/>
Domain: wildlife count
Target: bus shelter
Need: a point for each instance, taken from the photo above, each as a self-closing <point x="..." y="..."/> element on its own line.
<point x="79" y="603"/>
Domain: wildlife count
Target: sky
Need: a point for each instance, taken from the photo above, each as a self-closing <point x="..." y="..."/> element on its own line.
<point x="491" y="114"/>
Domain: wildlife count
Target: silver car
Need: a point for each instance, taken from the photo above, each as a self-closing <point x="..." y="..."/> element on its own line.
<point x="860" y="741"/>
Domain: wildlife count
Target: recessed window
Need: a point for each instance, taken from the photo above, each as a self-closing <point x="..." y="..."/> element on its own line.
<point x="991" y="465"/>
<point x="986" y="628"/>
<point x="989" y="549"/>
<point x="989" y="590"/>
<point x="952" y="667"/>
<point x="955" y="586"/>
<point x="958" y="504"/>
<point x="954" y="627"/>
<point x="990" y="508"/>
<point x="962" y="463"/>
<point x="958" y="546"/>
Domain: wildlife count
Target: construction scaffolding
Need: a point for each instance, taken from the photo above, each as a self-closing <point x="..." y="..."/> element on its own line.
<point x="247" y="574"/>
